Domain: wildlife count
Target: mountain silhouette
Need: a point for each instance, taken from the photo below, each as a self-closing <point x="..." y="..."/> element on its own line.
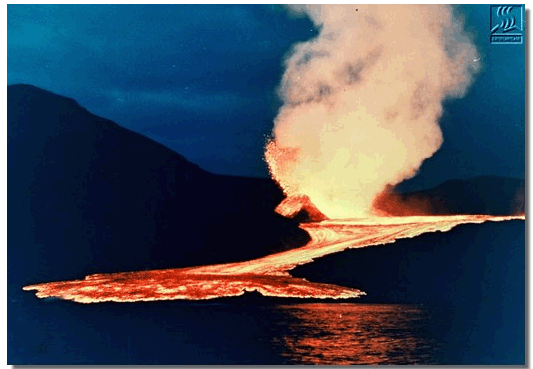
<point x="86" y="195"/>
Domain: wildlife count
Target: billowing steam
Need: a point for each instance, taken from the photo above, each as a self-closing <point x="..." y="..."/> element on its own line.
<point x="363" y="99"/>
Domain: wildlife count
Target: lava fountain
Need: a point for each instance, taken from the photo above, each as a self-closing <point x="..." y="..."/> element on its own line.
<point x="362" y="101"/>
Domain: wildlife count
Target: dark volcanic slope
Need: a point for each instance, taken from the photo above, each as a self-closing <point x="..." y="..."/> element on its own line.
<point x="86" y="195"/>
<point x="481" y="195"/>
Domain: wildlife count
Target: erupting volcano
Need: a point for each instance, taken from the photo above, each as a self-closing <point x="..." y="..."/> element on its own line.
<point x="362" y="103"/>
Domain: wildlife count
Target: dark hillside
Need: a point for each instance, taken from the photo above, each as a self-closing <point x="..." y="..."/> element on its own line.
<point x="86" y="195"/>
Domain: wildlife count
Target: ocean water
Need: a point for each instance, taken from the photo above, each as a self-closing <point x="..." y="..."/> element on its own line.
<point x="61" y="332"/>
<point x="347" y="334"/>
<point x="469" y="284"/>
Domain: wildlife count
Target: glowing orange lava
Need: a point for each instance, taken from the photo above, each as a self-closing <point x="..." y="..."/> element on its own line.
<point x="267" y="275"/>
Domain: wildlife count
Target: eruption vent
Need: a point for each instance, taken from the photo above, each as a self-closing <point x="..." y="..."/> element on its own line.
<point x="363" y="99"/>
<point x="300" y="208"/>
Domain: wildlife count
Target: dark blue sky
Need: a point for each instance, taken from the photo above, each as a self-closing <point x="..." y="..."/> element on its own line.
<point x="202" y="79"/>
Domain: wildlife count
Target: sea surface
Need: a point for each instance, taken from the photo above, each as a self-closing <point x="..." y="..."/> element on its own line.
<point x="262" y="332"/>
<point x="469" y="285"/>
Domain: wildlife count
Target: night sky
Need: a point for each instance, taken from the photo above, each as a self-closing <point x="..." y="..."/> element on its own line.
<point x="202" y="80"/>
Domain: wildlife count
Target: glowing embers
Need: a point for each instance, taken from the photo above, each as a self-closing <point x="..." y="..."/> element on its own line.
<point x="279" y="161"/>
<point x="268" y="275"/>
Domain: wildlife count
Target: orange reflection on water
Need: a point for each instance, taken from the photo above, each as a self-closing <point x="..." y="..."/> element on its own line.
<point x="349" y="334"/>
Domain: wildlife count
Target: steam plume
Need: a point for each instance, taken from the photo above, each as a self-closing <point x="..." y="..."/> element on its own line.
<point x="363" y="99"/>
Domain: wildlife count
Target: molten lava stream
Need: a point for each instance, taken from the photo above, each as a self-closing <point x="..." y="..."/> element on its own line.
<point x="267" y="275"/>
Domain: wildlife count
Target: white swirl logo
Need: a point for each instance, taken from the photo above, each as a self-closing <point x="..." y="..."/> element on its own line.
<point x="507" y="20"/>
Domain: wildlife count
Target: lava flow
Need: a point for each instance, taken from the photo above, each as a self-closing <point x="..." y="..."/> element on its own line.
<point x="268" y="275"/>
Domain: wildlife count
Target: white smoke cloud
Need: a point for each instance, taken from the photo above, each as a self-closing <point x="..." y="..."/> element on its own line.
<point x="363" y="99"/>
